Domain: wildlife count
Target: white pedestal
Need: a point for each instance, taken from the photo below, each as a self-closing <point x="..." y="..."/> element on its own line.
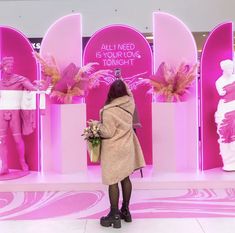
<point x="174" y="137"/>
<point x="69" y="151"/>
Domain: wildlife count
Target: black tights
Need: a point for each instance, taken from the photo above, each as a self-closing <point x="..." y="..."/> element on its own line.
<point x="114" y="193"/>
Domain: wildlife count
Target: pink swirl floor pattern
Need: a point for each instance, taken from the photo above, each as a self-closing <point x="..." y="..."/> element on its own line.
<point x="93" y="204"/>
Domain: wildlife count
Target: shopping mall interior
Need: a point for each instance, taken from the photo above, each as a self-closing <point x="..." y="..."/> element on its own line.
<point x="176" y="57"/>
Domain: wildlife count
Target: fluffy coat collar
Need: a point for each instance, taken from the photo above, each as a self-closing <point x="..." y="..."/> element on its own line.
<point x="125" y="102"/>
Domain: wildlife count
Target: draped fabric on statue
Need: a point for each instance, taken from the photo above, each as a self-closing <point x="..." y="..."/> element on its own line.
<point x="225" y="119"/>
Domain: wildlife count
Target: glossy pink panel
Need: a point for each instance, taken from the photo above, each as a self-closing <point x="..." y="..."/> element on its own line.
<point x="14" y="43"/>
<point x="120" y="46"/>
<point x="63" y="41"/>
<point x="218" y="47"/>
<point x="173" y="41"/>
<point x="174" y="44"/>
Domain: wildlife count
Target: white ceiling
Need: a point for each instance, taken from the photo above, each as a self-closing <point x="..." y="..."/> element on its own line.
<point x="34" y="17"/>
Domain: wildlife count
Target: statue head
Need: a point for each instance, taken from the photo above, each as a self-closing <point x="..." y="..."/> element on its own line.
<point x="227" y="66"/>
<point x="7" y="64"/>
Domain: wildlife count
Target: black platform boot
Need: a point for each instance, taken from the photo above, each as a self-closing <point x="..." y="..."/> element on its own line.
<point x="125" y="212"/>
<point x="112" y="219"/>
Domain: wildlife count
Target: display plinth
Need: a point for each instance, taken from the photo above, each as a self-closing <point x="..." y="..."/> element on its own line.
<point x="69" y="151"/>
<point x="174" y="137"/>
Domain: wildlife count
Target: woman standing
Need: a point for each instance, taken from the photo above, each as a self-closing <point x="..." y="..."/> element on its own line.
<point x="121" y="153"/>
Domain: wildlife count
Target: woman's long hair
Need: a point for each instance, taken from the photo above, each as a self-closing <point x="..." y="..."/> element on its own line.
<point x="116" y="90"/>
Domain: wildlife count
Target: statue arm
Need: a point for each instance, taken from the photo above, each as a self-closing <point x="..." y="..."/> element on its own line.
<point x="37" y="85"/>
<point x="219" y="87"/>
<point x="29" y="86"/>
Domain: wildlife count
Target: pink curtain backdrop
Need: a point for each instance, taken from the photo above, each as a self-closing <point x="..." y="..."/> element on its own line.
<point x="175" y="142"/>
<point x="63" y="40"/>
<point x="120" y="46"/>
<point x="218" y="47"/>
<point x="14" y="43"/>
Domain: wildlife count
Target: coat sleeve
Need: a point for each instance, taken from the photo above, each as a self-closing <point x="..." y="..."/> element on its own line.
<point x="107" y="127"/>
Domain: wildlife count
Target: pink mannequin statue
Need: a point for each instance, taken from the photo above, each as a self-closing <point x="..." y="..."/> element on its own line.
<point x="11" y="116"/>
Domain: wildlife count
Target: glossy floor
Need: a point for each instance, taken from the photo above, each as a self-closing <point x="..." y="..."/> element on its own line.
<point x="161" y="203"/>
<point x="90" y="179"/>
<point x="173" y="225"/>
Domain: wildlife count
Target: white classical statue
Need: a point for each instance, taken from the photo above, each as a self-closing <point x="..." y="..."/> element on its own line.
<point x="225" y="114"/>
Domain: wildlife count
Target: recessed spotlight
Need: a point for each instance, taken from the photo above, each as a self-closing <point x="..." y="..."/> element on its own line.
<point x="149" y="37"/>
<point x="203" y="35"/>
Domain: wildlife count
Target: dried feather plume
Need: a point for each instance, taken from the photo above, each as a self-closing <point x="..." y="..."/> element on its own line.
<point x="172" y="83"/>
<point x="73" y="81"/>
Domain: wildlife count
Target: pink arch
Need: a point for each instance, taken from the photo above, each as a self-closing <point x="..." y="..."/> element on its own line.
<point x="218" y="46"/>
<point x="173" y="41"/>
<point x="14" y="43"/>
<point x="174" y="44"/>
<point x="114" y="35"/>
<point x="63" y="40"/>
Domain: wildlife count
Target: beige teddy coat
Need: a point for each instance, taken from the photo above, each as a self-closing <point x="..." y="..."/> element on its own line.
<point x="121" y="153"/>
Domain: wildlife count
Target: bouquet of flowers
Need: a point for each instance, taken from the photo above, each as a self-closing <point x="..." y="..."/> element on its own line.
<point x="92" y="136"/>
<point x="172" y="83"/>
